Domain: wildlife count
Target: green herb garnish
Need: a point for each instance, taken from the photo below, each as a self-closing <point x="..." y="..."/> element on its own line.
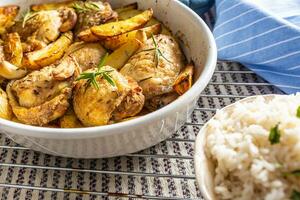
<point x="298" y="112"/>
<point x="27" y="16"/>
<point x="158" y="52"/>
<point x="295" y="195"/>
<point x="293" y="173"/>
<point x="86" y="7"/>
<point x="274" y="136"/>
<point x="91" y="76"/>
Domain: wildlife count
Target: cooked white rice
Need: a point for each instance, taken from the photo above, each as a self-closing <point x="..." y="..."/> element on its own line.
<point x="247" y="165"/>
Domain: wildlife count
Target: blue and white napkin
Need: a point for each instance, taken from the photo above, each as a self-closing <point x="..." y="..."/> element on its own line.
<point x="264" y="35"/>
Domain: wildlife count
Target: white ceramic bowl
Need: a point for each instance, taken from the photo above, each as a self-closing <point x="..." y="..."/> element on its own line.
<point x="204" y="167"/>
<point x="131" y="136"/>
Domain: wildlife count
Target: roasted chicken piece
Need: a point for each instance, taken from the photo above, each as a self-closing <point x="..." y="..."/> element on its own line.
<point x="132" y="104"/>
<point x="96" y="107"/>
<point x="42" y="96"/>
<point x="156" y="65"/>
<point x="87" y="55"/>
<point x="41" y="28"/>
<point x="160" y="101"/>
<point x="92" y="13"/>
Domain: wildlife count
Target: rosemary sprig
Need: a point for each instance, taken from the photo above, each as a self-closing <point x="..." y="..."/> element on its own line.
<point x="295" y="173"/>
<point x="27" y="16"/>
<point x="91" y="76"/>
<point x="157" y="52"/>
<point x="86" y="7"/>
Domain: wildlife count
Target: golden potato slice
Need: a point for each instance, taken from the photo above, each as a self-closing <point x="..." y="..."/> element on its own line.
<point x="5" y="109"/>
<point x="115" y="42"/>
<point x="10" y="71"/>
<point x="127" y="7"/>
<point x="7" y="17"/>
<point x="70" y="120"/>
<point x="164" y="29"/>
<point x="126" y="14"/>
<point x="120" y="56"/>
<point x="88" y="36"/>
<point x="120" y="27"/>
<point x="184" y="80"/>
<point x="132" y="12"/>
<point x="51" y="6"/>
<point x="49" y="54"/>
<point x="13" y="49"/>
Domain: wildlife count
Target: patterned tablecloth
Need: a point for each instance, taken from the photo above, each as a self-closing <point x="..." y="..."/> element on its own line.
<point x="165" y="171"/>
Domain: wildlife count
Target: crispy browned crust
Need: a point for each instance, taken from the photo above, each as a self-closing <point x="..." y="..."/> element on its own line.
<point x="13" y="49"/>
<point x="69" y="19"/>
<point x="132" y="104"/>
<point x="7" y="17"/>
<point x="42" y="114"/>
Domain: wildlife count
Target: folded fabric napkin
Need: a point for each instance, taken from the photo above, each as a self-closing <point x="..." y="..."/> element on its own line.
<point x="264" y="35"/>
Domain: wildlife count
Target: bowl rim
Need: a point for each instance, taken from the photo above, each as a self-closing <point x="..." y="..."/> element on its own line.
<point x="88" y="132"/>
<point x="200" y="156"/>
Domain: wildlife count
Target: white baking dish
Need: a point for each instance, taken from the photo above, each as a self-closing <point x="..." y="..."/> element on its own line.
<point x="131" y="136"/>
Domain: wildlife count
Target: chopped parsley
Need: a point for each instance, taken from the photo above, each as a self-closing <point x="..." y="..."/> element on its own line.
<point x="274" y="136"/>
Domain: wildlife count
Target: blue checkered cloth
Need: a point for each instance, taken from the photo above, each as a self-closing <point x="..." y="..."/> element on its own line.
<point x="264" y="42"/>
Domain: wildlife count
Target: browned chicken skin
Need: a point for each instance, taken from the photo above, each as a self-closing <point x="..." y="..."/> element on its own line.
<point x="44" y="27"/>
<point x="87" y="55"/>
<point x="156" y="79"/>
<point x="42" y="96"/>
<point x="132" y="104"/>
<point x="96" y="107"/>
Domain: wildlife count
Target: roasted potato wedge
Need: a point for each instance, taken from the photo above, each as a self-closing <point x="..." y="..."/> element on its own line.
<point x="70" y="120"/>
<point x="51" y="6"/>
<point x="10" y="71"/>
<point x="115" y="42"/>
<point x="164" y="29"/>
<point x="13" y="49"/>
<point x="120" y="56"/>
<point x="120" y="27"/>
<point x="132" y="12"/>
<point x="5" y="109"/>
<point x="7" y="17"/>
<point x="49" y="54"/>
<point x="184" y="80"/>
<point x="129" y="13"/>
<point x="88" y="36"/>
<point x="127" y="7"/>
